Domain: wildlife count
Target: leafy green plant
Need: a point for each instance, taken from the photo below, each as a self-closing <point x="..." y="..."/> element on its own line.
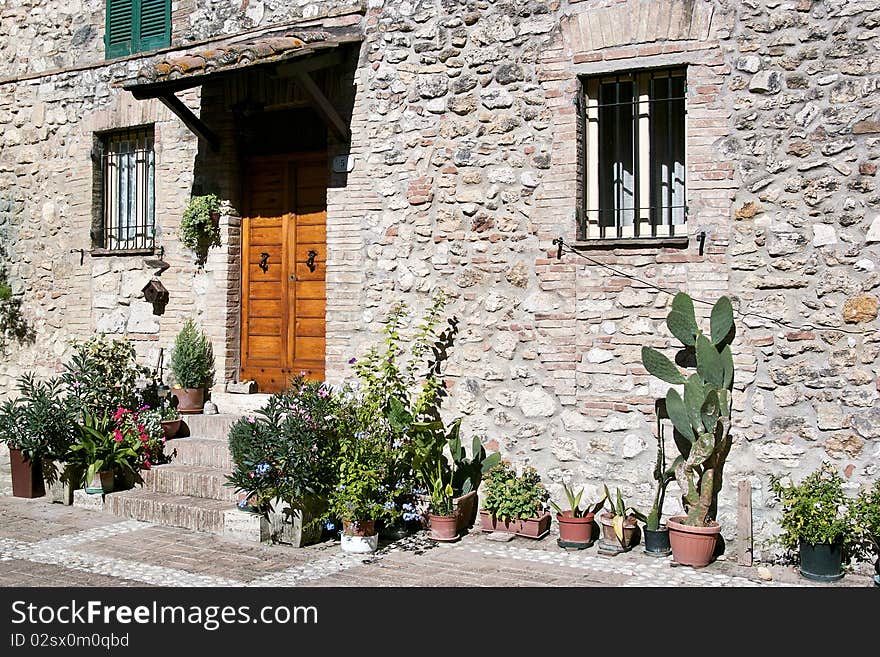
<point x="662" y="475"/>
<point x="286" y="450"/>
<point x="701" y="416"/>
<point x="100" y="448"/>
<point x="574" y="503"/>
<point x="513" y="497"/>
<point x="192" y="358"/>
<point x="620" y="512"/>
<point x="13" y="324"/>
<point x="440" y="490"/>
<point x="38" y="421"/>
<point x="467" y="473"/>
<point x="816" y="511"/>
<point x="102" y="375"/>
<point x="866" y="518"/>
<point x="198" y="232"/>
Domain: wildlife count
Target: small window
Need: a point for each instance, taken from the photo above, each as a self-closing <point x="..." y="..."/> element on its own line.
<point x="128" y="190"/>
<point x="137" y="26"/>
<point x="634" y="155"/>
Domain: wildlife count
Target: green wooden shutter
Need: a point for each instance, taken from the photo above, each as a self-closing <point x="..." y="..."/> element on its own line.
<point x="119" y="33"/>
<point x="137" y="25"/>
<point x="155" y="24"/>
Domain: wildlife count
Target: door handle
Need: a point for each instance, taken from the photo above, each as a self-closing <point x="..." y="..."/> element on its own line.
<point x="310" y="261"/>
<point x="264" y="261"/>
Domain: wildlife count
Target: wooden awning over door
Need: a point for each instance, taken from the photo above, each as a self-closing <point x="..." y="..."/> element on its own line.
<point x="292" y="54"/>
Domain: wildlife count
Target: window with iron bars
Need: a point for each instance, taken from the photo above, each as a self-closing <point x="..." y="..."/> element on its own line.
<point x="633" y="127"/>
<point x="128" y="190"/>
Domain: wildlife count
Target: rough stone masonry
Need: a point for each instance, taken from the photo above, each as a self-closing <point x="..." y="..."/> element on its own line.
<point x="465" y="143"/>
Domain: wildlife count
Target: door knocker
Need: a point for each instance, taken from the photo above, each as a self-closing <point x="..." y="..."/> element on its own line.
<point x="264" y="262"/>
<point x="310" y="262"/>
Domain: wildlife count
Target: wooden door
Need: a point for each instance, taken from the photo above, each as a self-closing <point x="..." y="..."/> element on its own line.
<point x="284" y="257"/>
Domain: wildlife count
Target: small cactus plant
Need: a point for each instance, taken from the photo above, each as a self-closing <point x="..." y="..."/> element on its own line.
<point x="701" y="415"/>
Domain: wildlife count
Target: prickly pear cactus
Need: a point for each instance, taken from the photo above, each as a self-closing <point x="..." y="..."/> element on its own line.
<point x="700" y="413"/>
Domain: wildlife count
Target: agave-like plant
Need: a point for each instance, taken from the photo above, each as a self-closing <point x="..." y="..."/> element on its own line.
<point x="701" y="414"/>
<point x="574" y="503"/>
<point x="620" y="511"/>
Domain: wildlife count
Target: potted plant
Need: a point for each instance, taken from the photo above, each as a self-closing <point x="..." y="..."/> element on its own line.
<point x="371" y="483"/>
<point x="102" y="375"/>
<point x="657" y="534"/>
<point x="701" y="421"/>
<point x="442" y="517"/>
<point x="866" y="515"/>
<point x="515" y="503"/>
<point x="467" y="474"/>
<point x="576" y="525"/>
<point x="170" y="420"/>
<point x="620" y="527"/>
<point x="200" y="226"/>
<point x="192" y="364"/>
<point x="100" y="454"/>
<point x="817" y="524"/>
<point x="38" y="430"/>
<point x="283" y="457"/>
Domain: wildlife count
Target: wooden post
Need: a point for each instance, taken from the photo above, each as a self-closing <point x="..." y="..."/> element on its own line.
<point x="744" y="546"/>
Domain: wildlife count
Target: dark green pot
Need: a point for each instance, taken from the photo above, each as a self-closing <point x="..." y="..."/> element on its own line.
<point x="822" y="562"/>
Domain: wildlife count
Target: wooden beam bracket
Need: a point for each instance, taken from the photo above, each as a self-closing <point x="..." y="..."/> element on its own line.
<point x="191" y="121"/>
<point x="322" y="105"/>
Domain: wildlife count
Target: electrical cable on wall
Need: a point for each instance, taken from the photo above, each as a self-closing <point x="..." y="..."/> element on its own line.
<point x="562" y="247"/>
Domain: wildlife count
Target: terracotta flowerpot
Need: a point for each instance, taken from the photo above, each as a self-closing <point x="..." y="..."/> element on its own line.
<point x="575" y="532"/>
<point x="692" y="546"/>
<point x="171" y="427"/>
<point x="190" y="401"/>
<point x="359" y="536"/>
<point x="465" y="510"/>
<point x="631" y="532"/>
<point x="27" y="475"/>
<point x="443" y="528"/>
<point x="537" y="527"/>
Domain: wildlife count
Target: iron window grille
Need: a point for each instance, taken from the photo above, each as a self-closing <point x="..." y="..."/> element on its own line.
<point x="633" y="149"/>
<point x="128" y="178"/>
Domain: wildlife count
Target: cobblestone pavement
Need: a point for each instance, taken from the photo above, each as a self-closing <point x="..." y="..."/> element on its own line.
<point x="44" y="544"/>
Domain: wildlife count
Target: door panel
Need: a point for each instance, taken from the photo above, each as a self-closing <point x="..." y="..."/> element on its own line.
<point x="283" y="306"/>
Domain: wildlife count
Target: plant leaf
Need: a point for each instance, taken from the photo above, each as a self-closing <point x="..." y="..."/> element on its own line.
<point x="701" y="449"/>
<point x="678" y="414"/>
<point x="660" y="366"/>
<point x="727" y="364"/>
<point x="709" y="364"/>
<point x="721" y="320"/>
<point x="682" y="327"/>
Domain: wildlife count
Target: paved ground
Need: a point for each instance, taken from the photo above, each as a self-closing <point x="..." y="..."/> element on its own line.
<point x="44" y="544"/>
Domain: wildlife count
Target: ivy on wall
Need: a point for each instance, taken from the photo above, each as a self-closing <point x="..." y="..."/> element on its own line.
<point x="13" y="325"/>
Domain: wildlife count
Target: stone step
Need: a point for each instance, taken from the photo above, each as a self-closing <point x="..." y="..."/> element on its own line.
<point x="195" y="480"/>
<point x="203" y="452"/>
<point x="195" y="513"/>
<point x="237" y="404"/>
<point x="208" y="426"/>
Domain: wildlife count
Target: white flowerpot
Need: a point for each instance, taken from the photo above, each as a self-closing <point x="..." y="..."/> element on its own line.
<point x="360" y="544"/>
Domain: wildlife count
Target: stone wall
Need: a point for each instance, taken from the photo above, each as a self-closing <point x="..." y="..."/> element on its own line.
<point x="465" y="139"/>
<point x="37" y="36"/>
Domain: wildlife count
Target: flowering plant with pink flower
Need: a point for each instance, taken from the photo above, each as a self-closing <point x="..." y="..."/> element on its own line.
<point x="141" y="429"/>
<point x="102" y="447"/>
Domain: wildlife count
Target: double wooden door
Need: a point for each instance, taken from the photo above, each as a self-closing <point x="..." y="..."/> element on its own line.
<point x="284" y="257"/>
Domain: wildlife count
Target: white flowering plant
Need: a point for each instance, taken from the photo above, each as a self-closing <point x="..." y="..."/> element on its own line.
<point x="816" y="511"/>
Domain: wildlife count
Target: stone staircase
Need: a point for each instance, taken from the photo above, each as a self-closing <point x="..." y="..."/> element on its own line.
<point x="189" y="492"/>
